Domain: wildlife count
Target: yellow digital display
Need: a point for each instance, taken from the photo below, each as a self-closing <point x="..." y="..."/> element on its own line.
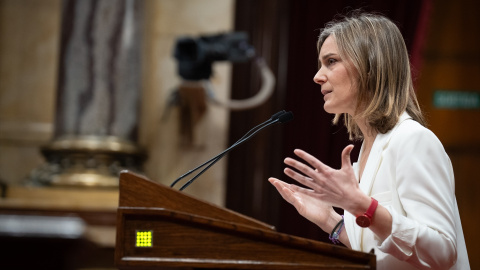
<point x="144" y="239"/>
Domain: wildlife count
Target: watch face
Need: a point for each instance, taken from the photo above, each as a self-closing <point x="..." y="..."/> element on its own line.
<point x="363" y="221"/>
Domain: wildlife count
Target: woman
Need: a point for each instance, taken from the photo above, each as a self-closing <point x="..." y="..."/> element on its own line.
<point x="399" y="198"/>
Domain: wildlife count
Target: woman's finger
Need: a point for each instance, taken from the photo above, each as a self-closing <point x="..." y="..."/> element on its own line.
<point x="306" y="191"/>
<point x="300" y="178"/>
<point x="284" y="190"/>
<point x="301" y="167"/>
<point x="313" y="161"/>
<point x="346" y="156"/>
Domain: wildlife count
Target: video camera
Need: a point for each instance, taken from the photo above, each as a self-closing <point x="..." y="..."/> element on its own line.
<point x="195" y="56"/>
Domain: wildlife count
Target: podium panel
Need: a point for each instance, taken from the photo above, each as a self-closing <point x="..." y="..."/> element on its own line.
<point x="170" y="229"/>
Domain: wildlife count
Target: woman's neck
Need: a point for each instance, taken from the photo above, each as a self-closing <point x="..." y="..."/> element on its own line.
<point x="369" y="133"/>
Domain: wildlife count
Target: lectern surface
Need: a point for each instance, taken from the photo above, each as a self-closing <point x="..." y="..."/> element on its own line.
<point x="158" y="227"/>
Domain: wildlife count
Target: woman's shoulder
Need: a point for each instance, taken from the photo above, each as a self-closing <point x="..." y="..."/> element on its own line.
<point x="410" y="127"/>
<point x="410" y="133"/>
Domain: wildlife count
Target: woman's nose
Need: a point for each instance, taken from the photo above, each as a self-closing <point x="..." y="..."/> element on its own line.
<point x="319" y="78"/>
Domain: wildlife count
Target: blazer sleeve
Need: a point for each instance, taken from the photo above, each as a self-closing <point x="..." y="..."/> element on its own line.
<point x="424" y="234"/>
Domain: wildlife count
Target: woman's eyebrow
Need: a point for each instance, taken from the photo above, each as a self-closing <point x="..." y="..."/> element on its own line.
<point x="328" y="55"/>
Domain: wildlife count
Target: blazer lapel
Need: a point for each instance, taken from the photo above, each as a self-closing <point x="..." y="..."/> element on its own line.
<point x="375" y="158"/>
<point x="371" y="168"/>
<point x="368" y="177"/>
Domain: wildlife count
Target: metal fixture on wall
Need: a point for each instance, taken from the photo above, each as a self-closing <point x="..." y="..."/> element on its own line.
<point x="195" y="57"/>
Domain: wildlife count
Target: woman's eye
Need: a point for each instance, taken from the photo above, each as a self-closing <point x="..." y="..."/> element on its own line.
<point x="331" y="61"/>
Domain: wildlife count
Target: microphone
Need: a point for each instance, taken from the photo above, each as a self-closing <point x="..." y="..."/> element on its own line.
<point x="283" y="118"/>
<point x="274" y="117"/>
<point x="279" y="117"/>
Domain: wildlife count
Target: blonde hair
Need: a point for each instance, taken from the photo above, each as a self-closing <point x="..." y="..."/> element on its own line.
<point x="375" y="47"/>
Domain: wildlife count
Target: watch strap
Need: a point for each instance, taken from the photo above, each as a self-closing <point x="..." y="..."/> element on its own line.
<point x="371" y="209"/>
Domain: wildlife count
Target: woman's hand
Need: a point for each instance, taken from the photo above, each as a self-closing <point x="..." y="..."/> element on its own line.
<point x="337" y="188"/>
<point x="308" y="204"/>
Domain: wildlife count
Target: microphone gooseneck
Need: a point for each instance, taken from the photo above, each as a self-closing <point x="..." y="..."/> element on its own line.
<point x="272" y="118"/>
<point x="279" y="117"/>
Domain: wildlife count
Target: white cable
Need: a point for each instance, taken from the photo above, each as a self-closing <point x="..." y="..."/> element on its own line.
<point x="266" y="90"/>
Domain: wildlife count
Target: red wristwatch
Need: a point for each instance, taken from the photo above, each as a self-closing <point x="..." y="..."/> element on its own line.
<point x="366" y="219"/>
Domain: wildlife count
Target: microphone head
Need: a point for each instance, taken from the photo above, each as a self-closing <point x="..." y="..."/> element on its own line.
<point x="285" y="117"/>
<point x="277" y="115"/>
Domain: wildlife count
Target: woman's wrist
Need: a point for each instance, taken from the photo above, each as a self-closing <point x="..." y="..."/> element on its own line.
<point x="359" y="205"/>
<point x="331" y="222"/>
<point x="334" y="236"/>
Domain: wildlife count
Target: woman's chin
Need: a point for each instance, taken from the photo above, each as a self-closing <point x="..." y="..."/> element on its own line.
<point x="328" y="109"/>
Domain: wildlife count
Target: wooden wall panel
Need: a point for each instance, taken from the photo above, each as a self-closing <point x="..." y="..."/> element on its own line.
<point x="451" y="61"/>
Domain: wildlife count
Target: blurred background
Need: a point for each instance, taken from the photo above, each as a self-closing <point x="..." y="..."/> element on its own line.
<point x="88" y="88"/>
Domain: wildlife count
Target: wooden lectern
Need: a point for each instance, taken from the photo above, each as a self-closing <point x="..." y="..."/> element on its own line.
<point x="162" y="228"/>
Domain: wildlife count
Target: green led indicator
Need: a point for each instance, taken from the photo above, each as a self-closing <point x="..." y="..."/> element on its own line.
<point x="144" y="239"/>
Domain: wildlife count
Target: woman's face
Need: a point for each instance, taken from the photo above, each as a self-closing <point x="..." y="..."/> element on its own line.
<point x="337" y="88"/>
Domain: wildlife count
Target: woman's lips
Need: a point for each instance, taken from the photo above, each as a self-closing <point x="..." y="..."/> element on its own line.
<point x="325" y="92"/>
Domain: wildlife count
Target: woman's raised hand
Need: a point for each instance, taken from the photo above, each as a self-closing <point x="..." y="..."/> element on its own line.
<point x="307" y="203"/>
<point x="338" y="188"/>
<point x="326" y="187"/>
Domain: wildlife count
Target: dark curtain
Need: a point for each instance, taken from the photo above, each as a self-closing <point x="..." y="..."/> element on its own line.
<point x="284" y="33"/>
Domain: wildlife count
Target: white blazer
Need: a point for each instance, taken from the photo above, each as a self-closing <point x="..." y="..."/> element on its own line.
<point x="410" y="174"/>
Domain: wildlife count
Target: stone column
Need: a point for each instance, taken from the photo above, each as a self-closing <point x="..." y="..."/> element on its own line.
<point x="99" y="83"/>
